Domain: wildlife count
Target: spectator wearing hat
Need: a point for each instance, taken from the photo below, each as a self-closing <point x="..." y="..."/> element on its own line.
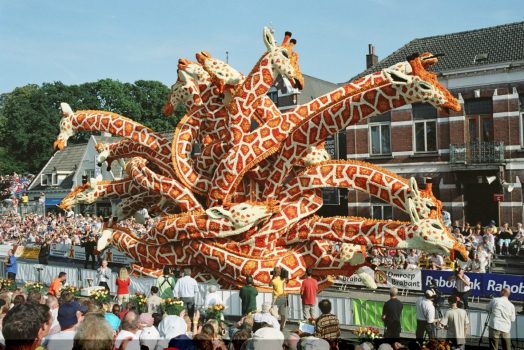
<point x="170" y="327"/>
<point x="308" y="293"/>
<point x="212" y="297"/>
<point x="248" y="296"/>
<point x="264" y="316"/>
<point x="391" y="315"/>
<point x="314" y="343"/>
<point x="70" y="314"/>
<point x="456" y="321"/>
<point x="425" y="312"/>
<point x="149" y="335"/>
<point x="25" y="325"/>
<point x="266" y="338"/>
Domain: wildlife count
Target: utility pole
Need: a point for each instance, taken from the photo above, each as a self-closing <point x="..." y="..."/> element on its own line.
<point x="227" y="57"/>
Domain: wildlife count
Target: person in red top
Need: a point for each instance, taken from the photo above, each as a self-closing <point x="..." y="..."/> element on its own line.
<point x="308" y="292"/>
<point x="122" y="286"/>
<point x="56" y="284"/>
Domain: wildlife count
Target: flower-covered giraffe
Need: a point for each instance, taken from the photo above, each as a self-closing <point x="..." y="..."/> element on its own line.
<point x="248" y="201"/>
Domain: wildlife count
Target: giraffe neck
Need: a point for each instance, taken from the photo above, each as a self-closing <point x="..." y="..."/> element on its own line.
<point x="115" y="124"/>
<point x="369" y="96"/>
<point x="245" y="99"/>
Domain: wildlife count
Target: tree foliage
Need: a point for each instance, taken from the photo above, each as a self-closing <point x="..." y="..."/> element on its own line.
<point x="30" y="115"/>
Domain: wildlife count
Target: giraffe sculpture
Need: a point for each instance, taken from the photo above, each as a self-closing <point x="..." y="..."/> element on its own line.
<point x="240" y="211"/>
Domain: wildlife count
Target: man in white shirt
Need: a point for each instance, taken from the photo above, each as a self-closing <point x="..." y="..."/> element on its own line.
<point x="425" y="312"/>
<point x="265" y="317"/>
<point x="462" y="286"/>
<point x="412" y="260"/>
<point x="437" y="262"/>
<point x="185" y="289"/>
<point x="127" y="338"/>
<point x="213" y="298"/>
<point x="502" y="313"/>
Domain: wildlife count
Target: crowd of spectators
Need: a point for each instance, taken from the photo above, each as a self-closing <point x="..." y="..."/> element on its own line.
<point x="62" y="321"/>
<point x="55" y="228"/>
<point x="483" y="244"/>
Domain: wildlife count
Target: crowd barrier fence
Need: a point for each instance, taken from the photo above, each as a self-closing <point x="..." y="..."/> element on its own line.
<point x="350" y="311"/>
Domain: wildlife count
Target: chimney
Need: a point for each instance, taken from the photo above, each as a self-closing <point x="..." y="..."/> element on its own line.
<point x="371" y="58"/>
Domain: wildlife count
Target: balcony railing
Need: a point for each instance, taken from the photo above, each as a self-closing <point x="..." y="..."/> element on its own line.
<point x="477" y="153"/>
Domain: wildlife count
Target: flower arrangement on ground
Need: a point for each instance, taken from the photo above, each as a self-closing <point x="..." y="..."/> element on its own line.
<point x="7" y="285"/>
<point x="173" y="306"/>
<point x="215" y="311"/>
<point x="100" y="296"/>
<point x="437" y="345"/>
<point x="71" y="289"/>
<point x="139" y="300"/>
<point x="367" y="334"/>
<point x="33" y="286"/>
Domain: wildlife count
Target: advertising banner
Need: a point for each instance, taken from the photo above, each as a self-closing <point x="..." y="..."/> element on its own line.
<point x="78" y="253"/>
<point x="445" y="285"/>
<point x="487" y="285"/>
<point x="386" y="278"/>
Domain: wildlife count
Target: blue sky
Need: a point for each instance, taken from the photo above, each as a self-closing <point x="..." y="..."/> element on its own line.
<point x="77" y="41"/>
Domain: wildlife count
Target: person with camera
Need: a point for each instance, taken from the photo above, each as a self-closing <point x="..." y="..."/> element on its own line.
<point x="278" y="283"/>
<point x="462" y="286"/>
<point x="425" y="312"/>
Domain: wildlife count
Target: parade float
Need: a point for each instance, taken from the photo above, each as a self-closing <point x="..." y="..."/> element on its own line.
<point x="246" y="202"/>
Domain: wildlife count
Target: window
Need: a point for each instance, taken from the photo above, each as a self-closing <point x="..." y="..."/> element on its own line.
<point x="382" y="212"/>
<point x="479" y="118"/>
<point x="380" y="135"/>
<point x="273" y="95"/>
<point x="90" y="173"/>
<point x="425" y="131"/>
<point x="45" y="179"/>
<point x="521" y="100"/>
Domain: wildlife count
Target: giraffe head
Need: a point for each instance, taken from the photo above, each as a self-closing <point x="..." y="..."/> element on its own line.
<point x="431" y="235"/>
<point x="222" y="74"/>
<point x="66" y="127"/>
<point x="315" y="154"/>
<point x="243" y="216"/>
<point x="289" y="44"/>
<point x="424" y="202"/>
<point x="279" y="58"/>
<point x="103" y="152"/>
<point x="415" y="84"/>
<point x="83" y="194"/>
<point x="185" y="90"/>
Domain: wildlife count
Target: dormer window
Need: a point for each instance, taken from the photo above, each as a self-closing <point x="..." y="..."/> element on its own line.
<point x="480" y="57"/>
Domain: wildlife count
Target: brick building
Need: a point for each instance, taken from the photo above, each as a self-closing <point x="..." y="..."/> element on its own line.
<point x="473" y="156"/>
